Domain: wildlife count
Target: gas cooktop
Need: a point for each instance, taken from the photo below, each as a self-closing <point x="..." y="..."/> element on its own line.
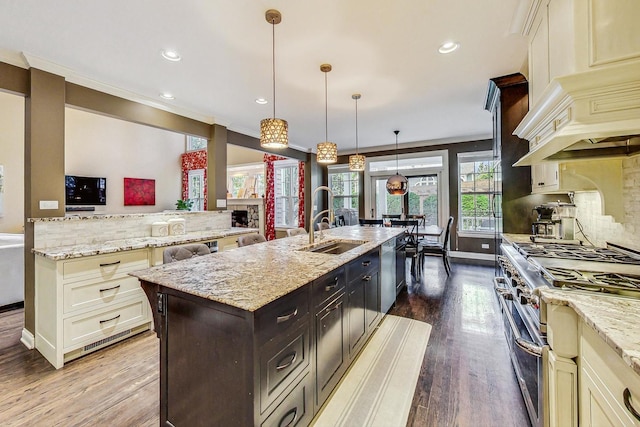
<point x="608" y="282"/>
<point x="575" y="252"/>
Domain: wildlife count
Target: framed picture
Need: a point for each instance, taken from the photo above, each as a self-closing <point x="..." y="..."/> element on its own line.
<point x="139" y="192"/>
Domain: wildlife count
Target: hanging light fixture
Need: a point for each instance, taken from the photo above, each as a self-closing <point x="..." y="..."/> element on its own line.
<point x="397" y="184"/>
<point x="274" y="133"/>
<point x="327" y="151"/>
<point x="356" y="161"/>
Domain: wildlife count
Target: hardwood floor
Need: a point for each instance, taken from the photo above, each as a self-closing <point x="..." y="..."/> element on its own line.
<point x="466" y="377"/>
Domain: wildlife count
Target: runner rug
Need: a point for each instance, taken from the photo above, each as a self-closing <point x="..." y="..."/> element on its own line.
<point x="378" y="388"/>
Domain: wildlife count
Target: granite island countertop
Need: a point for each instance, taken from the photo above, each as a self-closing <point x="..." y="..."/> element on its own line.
<point x="111" y="246"/>
<point x="616" y="319"/>
<point x="252" y="276"/>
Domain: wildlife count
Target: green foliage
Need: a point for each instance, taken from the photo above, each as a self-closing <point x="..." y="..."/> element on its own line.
<point x="184" y="205"/>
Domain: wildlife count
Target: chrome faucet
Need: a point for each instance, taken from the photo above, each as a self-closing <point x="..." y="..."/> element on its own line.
<point x="328" y="211"/>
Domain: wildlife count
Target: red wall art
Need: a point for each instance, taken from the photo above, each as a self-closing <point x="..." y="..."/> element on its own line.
<point x="139" y="192"/>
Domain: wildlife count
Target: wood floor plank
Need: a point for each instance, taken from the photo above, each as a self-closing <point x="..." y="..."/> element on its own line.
<point x="466" y="378"/>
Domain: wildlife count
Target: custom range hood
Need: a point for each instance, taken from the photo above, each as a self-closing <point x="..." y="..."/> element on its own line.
<point x="594" y="114"/>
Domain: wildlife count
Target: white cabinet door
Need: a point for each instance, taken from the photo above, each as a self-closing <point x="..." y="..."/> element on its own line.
<point x="545" y="177"/>
<point x="563" y="391"/>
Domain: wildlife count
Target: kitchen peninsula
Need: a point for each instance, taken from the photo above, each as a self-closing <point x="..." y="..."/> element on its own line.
<point x="260" y="335"/>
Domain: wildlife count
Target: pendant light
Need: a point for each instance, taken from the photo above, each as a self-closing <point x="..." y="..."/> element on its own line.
<point x="356" y="161"/>
<point x="274" y="133"/>
<point x="397" y="185"/>
<point x="327" y="152"/>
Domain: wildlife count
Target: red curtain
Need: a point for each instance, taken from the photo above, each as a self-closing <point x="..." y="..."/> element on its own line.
<point x="270" y="197"/>
<point x="190" y="161"/>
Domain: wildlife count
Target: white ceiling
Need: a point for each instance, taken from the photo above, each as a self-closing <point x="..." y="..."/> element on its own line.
<point x="385" y="50"/>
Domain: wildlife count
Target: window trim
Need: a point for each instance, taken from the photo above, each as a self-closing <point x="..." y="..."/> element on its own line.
<point x="468" y="157"/>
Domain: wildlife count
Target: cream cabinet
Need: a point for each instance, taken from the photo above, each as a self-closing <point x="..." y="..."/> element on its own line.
<point x="84" y="304"/>
<point x="544" y="177"/>
<point x="609" y="388"/>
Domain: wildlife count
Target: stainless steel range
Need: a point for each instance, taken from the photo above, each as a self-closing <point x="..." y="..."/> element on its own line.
<point x="526" y="267"/>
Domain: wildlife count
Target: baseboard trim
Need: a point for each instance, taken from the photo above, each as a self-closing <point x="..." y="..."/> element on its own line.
<point x="27" y="339"/>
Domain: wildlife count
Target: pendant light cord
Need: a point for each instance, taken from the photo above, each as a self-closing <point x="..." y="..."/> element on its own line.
<point x="326" y="110"/>
<point x="356" y="126"/>
<point x="396" y="132"/>
<point x="273" y="62"/>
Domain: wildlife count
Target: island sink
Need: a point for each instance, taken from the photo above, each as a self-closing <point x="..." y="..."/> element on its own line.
<point x="333" y="247"/>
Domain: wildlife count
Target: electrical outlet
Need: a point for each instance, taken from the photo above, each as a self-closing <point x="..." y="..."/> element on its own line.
<point x="485" y="246"/>
<point x="48" y="204"/>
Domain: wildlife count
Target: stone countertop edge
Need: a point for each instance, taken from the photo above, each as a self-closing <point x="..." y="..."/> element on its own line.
<point x="250" y="277"/>
<point x="94" y="216"/>
<point x="616" y="319"/>
<point x="112" y="246"/>
<point x="516" y="238"/>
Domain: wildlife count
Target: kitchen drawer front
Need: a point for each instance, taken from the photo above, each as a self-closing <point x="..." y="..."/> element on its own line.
<point x="605" y="376"/>
<point x="81" y="295"/>
<point x="328" y="286"/>
<point x="105" y="267"/>
<point x="364" y="265"/>
<point x="281" y="362"/>
<point x="91" y="327"/>
<point x="296" y="408"/>
<point x="277" y="317"/>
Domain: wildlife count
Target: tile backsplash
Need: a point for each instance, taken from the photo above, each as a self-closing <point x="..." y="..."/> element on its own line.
<point x="88" y="230"/>
<point x="600" y="228"/>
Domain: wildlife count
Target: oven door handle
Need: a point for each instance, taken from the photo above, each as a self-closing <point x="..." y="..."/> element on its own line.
<point x="527" y="346"/>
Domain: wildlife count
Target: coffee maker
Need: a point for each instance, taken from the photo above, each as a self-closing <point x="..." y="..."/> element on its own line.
<point x="555" y="221"/>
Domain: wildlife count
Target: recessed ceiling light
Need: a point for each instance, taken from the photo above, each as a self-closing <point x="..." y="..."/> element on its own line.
<point x="167" y="95"/>
<point x="171" y="55"/>
<point x="261" y="101"/>
<point x="448" y="47"/>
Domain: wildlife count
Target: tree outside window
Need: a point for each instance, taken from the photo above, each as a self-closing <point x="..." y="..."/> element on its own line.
<point x="345" y="186"/>
<point x="480" y="186"/>
<point x="286" y="193"/>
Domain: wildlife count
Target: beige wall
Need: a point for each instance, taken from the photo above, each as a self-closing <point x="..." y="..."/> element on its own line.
<point x="101" y="146"/>
<point x="237" y="155"/>
<point x="12" y="158"/>
<point x="602" y="228"/>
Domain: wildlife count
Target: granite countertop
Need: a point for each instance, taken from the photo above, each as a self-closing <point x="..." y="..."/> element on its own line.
<point x="112" y="246"/>
<point x="252" y="276"/>
<point x="616" y="319"/>
<point x="516" y="238"/>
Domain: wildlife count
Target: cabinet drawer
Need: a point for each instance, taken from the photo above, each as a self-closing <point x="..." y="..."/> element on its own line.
<point x="105" y="267"/>
<point x="295" y="409"/>
<point x="278" y="316"/>
<point x="328" y="286"/>
<point x="280" y="363"/>
<point x="364" y="265"/>
<point x="79" y="295"/>
<point x="84" y="329"/>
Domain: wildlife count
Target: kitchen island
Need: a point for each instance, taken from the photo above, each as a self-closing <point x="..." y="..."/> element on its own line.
<point x="260" y="335"/>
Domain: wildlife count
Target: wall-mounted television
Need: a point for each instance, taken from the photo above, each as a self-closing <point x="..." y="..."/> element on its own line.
<point x="85" y="190"/>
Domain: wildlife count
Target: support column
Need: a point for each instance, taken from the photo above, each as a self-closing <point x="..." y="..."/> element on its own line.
<point x="217" y="168"/>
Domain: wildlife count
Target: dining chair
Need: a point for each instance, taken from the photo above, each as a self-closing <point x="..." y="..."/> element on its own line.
<point x="340" y="220"/>
<point x="296" y="231"/>
<point x="438" y="248"/>
<point x="179" y="253"/>
<point x="370" y="222"/>
<point x="250" y="239"/>
<point x="412" y="246"/>
<point x="422" y="219"/>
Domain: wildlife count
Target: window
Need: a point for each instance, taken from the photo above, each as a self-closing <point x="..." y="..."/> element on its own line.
<point x="196" y="189"/>
<point x="245" y="181"/>
<point x="286" y="193"/>
<point x="345" y="186"/>
<point x="480" y="186"/>
<point x="196" y="143"/>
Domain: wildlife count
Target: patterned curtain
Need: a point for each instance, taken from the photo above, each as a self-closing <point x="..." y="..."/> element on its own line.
<point x="301" y="194"/>
<point x="270" y="197"/>
<point x="190" y="161"/>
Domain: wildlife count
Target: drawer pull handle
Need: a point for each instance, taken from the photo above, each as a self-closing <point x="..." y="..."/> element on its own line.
<point x="366" y="263"/>
<point x="330" y="287"/>
<point x="109" y="289"/>
<point x="332" y="308"/>
<point x="109" y="264"/>
<point x="286" y="317"/>
<point x="626" y="395"/>
<point x="292" y="414"/>
<point x="292" y="358"/>
<point x="110" y="320"/>
<point x="366" y="278"/>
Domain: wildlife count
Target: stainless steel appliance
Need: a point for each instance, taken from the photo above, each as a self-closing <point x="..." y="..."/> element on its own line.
<point x="555" y="221"/>
<point x="525" y="267"/>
